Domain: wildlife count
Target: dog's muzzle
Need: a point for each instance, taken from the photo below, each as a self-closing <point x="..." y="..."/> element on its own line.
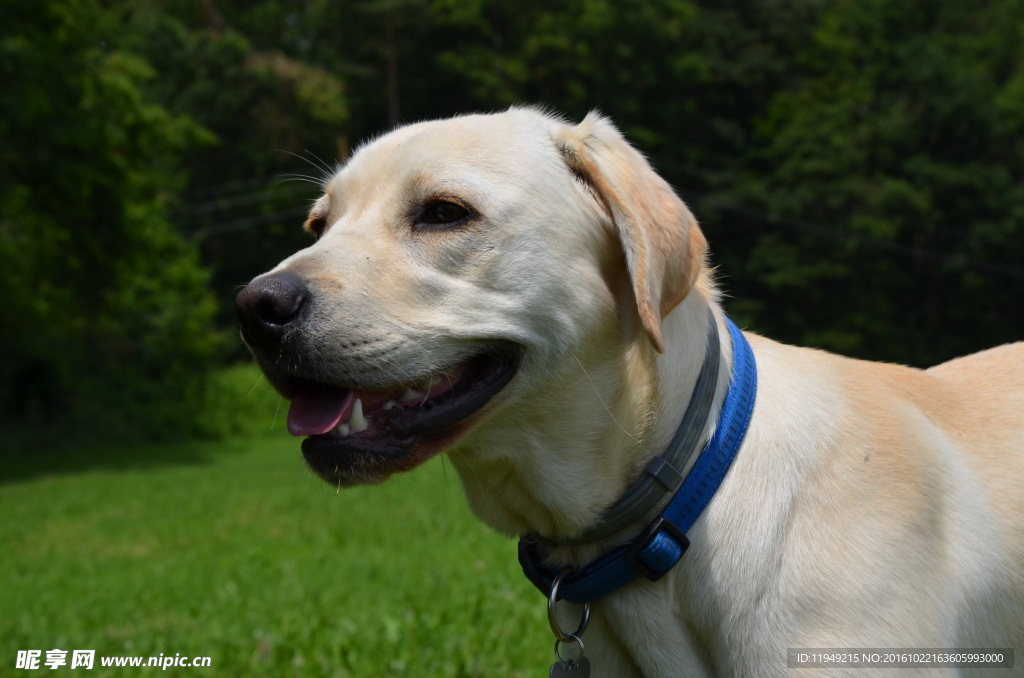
<point x="357" y="429"/>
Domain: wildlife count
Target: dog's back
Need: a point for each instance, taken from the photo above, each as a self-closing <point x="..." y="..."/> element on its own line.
<point x="988" y="427"/>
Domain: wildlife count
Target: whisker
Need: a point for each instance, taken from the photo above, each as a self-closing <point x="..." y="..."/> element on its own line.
<point x="323" y="164"/>
<point x="598" y="393"/>
<point x="307" y="160"/>
<point x="305" y="178"/>
<point x="258" y="381"/>
<point x="276" y="413"/>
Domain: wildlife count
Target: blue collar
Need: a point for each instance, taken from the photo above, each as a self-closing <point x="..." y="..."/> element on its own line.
<point x="660" y="546"/>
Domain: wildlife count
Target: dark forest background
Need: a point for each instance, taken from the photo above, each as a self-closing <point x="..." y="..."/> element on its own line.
<point x="857" y="165"/>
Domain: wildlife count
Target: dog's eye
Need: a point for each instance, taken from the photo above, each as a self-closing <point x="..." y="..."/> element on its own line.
<point x="442" y="214"/>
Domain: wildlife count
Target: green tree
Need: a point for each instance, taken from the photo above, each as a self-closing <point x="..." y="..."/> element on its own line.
<point x="106" y="316"/>
<point x="894" y="172"/>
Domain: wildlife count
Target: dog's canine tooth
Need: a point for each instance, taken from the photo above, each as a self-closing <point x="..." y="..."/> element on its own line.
<point x="358" y="421"/>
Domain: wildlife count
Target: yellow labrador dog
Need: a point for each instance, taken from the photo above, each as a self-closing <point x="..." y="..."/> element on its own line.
<point x="529" y="297"/>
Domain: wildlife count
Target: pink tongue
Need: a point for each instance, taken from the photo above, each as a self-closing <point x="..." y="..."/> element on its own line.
<point x="312" y="414"/>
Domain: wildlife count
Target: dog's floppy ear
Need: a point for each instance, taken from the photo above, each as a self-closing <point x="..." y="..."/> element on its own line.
<point x="663" y="245"/>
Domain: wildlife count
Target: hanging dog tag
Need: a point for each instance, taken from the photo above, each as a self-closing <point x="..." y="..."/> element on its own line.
<point x="571" y="669"/>
<point x="567" y="667"/>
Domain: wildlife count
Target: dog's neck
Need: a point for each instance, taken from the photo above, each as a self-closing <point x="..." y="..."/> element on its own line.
<point x="553" y="466"/>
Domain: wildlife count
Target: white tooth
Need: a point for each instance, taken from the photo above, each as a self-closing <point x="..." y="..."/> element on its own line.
<point x="343" y="429"/>
<point x="410" y="395"/>
<point x="434" y="381"/>
<point x="389" y="404"/>
<point x="358" y="421"/>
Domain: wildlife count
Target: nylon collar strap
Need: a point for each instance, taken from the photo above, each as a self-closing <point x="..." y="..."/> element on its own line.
<point x="661" y="545"/>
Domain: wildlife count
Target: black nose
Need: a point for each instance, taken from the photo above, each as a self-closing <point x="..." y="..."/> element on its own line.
<point x="268" y="305"/>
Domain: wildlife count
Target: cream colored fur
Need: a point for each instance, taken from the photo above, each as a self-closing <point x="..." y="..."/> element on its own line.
<point x="870" y="506"/>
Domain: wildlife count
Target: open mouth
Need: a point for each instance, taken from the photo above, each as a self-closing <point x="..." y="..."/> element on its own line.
<point x="357" y="436"/>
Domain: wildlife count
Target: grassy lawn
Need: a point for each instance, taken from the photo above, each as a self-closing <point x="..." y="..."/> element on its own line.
<point x="234" y="551"/>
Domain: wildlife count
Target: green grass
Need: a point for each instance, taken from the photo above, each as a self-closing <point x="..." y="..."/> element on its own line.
<point x="233" y="550"/>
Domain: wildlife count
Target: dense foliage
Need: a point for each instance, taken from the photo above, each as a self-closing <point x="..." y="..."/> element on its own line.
<point x="106" y="319"/>
<point x="858" y="166"/>
<point x="897" y="165"/>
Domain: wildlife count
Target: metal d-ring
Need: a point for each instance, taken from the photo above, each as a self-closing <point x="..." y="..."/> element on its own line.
<point x="571" y="638"/>
<point x="561" y="635"/>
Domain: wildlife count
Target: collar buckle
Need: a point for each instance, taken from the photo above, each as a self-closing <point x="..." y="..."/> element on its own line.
<point x="657" y="548"/>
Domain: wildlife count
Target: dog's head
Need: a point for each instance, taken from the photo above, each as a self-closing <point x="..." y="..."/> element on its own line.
<point x="459" y="266"/>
